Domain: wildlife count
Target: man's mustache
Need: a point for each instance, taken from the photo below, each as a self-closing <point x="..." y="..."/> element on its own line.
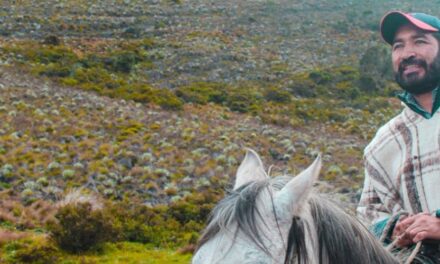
<point x="412" y="61"/>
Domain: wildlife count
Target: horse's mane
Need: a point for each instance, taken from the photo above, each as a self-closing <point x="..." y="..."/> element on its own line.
<point x="341" y="237"/>
<point x="238" y="206"/>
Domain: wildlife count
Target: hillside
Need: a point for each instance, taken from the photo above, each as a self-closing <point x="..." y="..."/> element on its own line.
<point x="220" y="41"/>
<point x="148" y="106"/>
<point x="55" y="138"/>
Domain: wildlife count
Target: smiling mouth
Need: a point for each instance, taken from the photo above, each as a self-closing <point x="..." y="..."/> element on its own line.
<point x="412" y="69"/>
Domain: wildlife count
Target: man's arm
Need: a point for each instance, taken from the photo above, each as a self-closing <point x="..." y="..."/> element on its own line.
<point x="378" y="207"/>
<point x="371" y="208"/>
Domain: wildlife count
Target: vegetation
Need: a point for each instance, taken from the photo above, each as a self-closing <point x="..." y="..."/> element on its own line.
<point x="124" y="252"/>
<point x="79" y="228"/>
<point x="151" y="113"/>
<point x="173" y="165"/>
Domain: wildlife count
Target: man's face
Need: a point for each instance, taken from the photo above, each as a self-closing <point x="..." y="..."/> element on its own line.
<point x="416" y="60"/>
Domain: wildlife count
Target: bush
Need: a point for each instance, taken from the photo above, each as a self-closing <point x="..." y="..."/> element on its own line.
<point x="142" y="224"/>
<point x="168" y="100"/>
<point x="122" y="61"/>
<point x="375" y="69"/>
<point x="320" y="77"/>
<point x="55" y="70"/>
<point x="146" y="94"/>
<point x="368" y="84"/>
<point x="277" y="95"/>
<point x="302" y="86"/>
<point x="202" y="93"/>
<point x="79" y="228"/>
<point x="244" y="100"/>
<point x="46" y="54"/>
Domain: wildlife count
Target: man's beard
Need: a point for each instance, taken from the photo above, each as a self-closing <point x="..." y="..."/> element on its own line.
<point x="419" y="85"/>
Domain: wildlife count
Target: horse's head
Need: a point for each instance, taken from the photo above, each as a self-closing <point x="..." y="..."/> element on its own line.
<point x="279" y="220"/>
<point x="253" y="223"/>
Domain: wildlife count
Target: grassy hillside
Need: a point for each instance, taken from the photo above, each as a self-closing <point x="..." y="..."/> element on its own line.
<point x="146" y="106"/>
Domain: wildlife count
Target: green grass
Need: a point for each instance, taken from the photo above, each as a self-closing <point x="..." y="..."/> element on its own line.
<point x="131" y="253"/>
<point x="123" y="252"/>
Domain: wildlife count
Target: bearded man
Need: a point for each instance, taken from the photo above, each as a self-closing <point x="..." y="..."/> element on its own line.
<point x="401" y="193"/>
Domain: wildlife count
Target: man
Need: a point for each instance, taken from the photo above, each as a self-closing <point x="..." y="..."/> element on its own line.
<point x="401" y="193"/>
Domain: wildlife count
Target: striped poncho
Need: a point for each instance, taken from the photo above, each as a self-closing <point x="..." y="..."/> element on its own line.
<point x="402" y="169"/>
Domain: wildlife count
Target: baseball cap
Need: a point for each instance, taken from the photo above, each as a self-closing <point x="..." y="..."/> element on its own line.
<point x="391" y="22"/>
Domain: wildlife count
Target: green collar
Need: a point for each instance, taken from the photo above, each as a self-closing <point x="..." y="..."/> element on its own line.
<point x="411" y="102"/>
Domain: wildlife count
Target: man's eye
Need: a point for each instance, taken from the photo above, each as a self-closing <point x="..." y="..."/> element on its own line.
<point x="420" y="41"/>
<point x="397" y="46"/>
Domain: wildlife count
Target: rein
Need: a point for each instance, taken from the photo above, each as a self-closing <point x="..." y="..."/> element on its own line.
<point x="393" y="244"/>
<point x="413" y="252"/>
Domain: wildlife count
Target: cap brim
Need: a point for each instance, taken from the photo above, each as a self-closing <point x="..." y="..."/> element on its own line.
<point x="391" y="22"/>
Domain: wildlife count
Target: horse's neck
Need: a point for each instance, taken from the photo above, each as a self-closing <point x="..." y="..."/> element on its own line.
<point x="343" y="239"/>
<point x="228" y="248"/>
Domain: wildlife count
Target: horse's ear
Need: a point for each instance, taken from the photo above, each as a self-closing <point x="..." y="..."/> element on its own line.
<point x="251" y="169"/>
<point x="295" y="192"/>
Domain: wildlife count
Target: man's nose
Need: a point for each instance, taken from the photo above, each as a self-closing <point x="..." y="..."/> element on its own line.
<point x="408" y="52"/>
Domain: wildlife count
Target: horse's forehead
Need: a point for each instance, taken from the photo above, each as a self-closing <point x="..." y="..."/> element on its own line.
<point x="266" y="196"/>
<point x="266" y="205"/>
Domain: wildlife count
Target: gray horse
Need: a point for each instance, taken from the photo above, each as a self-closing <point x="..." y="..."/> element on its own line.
<point x="281" y="220"/>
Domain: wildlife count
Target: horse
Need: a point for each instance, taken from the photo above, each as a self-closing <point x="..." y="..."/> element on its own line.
<point x="281" y="220"/>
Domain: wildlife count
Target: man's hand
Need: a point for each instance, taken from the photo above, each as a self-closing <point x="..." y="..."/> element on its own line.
<point x="415" y="228"/>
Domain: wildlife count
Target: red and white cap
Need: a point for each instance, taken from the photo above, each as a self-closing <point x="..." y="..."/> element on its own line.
<point x="392" y="21"/>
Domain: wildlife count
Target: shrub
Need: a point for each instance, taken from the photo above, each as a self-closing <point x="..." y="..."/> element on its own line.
<point x="52" y="40"/>
<point x="92" y="75"/>
<point x="202" y="93"/>
<point x="147" y="94"/>
<point x="54" y="70"/>
<point x="168" y="100"/>
<point x="243" y="100"/>
<point x="368" y="84"/>
<point x="139" y="223"/>
<point x="122" y="61"/>
<point x="79" y="228"/>
<point x="375" y="68"/>
<point x="277" y="95"/>
<point x="320" y="77"/>
<point x="302" y="86"/>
